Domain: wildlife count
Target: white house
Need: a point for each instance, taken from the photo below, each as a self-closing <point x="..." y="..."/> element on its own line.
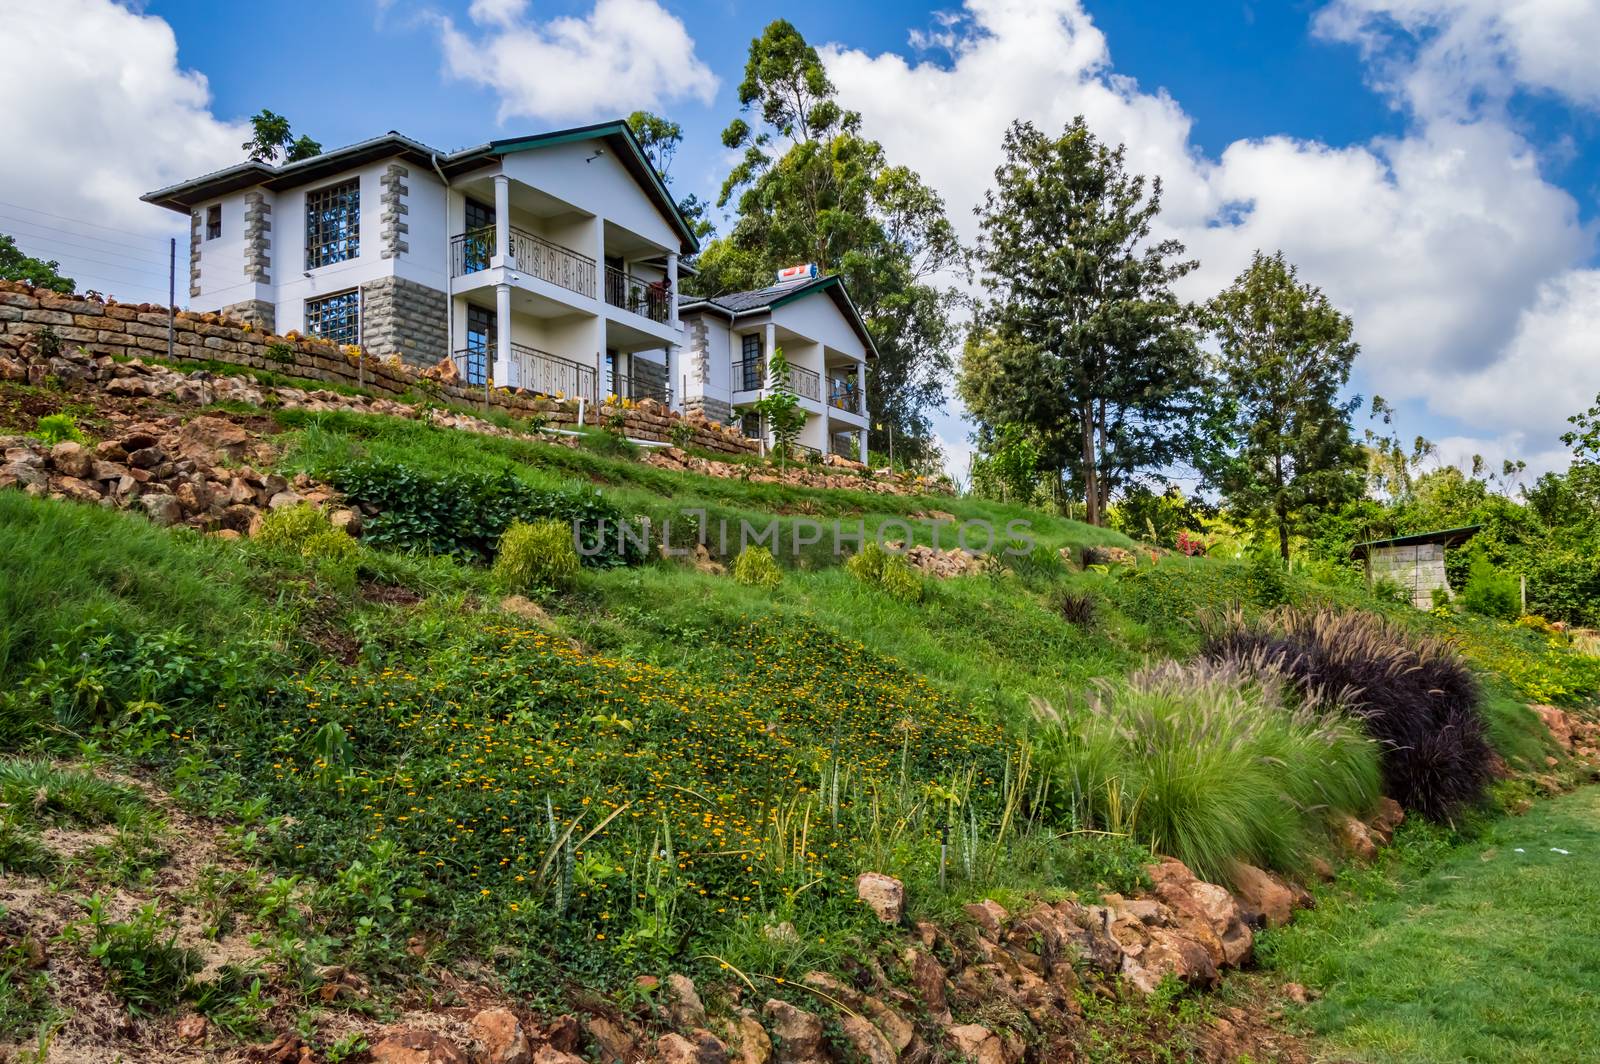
<point x="730" y="342"/>
<point x="546" y="261"/>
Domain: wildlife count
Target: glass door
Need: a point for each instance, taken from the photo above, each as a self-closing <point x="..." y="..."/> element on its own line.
<point x="480" y="344"/>
<point x="479" y="247"/>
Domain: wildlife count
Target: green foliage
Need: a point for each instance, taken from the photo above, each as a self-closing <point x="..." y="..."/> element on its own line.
<point x="1009" y="467"/>
<point x="537" y="556"/>
<point x="148" y="970"/>
<point x="465" y="514"/>
<point x="41" y="273"/>
<point x="1490" y="592"/>
<point x="54" y="428"/>
<point x="25" y="999"/>
<point x="1440" y="598"/>
<point x="1082" y="339"/>
<point x="69" y="795"/>
<point x="886" y="570"/>
<point x="1210" y="766"/>
<point x="292" y="527"/>
<point x="21" y="852"/>
<point x="755" y="567"/>
<point x="281" y="353"/>
<point x="780" y="408"/>
<point x="272" y="141"/>
<point x="1286" y="353"/>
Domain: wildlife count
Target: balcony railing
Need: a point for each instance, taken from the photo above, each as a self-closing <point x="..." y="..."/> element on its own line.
<point x="532" y="254"/>
<point x="530" y="369"/>
<point x="650" y="299"/>
<point x="750" y="374"/>
<point x="627" y="386"/>
<point x="844" y="394"/>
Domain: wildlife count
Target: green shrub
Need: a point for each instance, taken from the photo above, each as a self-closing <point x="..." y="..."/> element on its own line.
<point x="1209" y="765"/>
<point x="1440" y="597"/>
<point x="55" y="428"/>
<point x="292" y="527"/>
<point x="756" y="567"/>
<point x="21" y="852"/>
<point x="280" y="352"/>
<point x="874" y="565"/>
<point x="1490" y="592"/>
<point x="466" y="514"/>
<point x="537" y="556"/>
<point x="148" y="970"/>
<point x="330" y="546"/>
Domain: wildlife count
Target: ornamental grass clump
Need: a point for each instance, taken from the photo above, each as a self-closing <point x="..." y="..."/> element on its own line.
<point x="537" y="556"/>
<point x="756" y="567"/>
<point x="292" y="527"/>
<point x="1413" y="694"/>
<point x="1210" y="764"/>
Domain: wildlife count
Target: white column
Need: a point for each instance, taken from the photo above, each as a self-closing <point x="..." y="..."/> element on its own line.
<point x="672" y="290"/>
<point x="863" y="446"/>
<point x="771" y="343"/>
<point x="827" y="429"/>
<point x="502" y="336"/>
<point x="861" y="389"/>
<point x="597" y="243"/>
<point x="675" y="394"/>
<point x="502" y="220"/>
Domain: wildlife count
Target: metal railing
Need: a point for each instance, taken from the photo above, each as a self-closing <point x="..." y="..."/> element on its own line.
<point x="627" y="386"/>
<point x="650" y="299"/>
<point x="844" y="394"/>
<point x="534" y="255"/>
<point x="750" y="374"/>
<point x="532" y="370"/>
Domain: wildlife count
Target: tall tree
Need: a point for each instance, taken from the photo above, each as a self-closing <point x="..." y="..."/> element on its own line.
<point x="272" y="141"/>
<point x="1080" y="336"/>
<point x="661" y="138"/>
<point x="1285" y="355"/>
<point x="41" y="273"/>
<point x="810" y="188"/>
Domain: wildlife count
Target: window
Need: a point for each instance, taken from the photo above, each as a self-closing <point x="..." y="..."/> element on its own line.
<point x="750" y="426"/>
<point x="333" y="224"/>
<point x="335" y="318"/>
<point x="752" y="371"/>
<point x="477" y="244"/>
<point x="213" y="221"/>
<point x="480" y="345"/>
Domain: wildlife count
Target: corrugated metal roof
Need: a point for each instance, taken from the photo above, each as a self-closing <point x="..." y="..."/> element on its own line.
<point x="1446" y="536"/>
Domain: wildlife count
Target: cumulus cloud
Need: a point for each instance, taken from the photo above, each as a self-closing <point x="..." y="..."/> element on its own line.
<point x="623" y="55"/>
<point x="1453" y="57"/>
<point x="98" y="112"/>
<point x="1444" y="244"/>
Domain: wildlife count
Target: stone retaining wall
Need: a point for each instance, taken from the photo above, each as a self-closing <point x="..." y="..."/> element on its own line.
<point x="139" y="330"/>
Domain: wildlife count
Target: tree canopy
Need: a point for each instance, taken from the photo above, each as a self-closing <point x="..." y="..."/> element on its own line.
<point x="41" y="273"/>
<point x="810" y="188"/>
<point x="272" y="141"/>
<point x="660" y="138"/>
<point x="1080" y="337"/>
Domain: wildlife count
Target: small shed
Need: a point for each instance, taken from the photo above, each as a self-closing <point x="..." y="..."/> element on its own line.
<point x="1414" y="562"/>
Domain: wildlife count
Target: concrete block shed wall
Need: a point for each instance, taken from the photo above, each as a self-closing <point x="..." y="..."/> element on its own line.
<point x="1419" y="568"/>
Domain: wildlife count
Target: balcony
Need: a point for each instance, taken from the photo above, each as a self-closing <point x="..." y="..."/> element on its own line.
<point x="844" y="394"/>
<point x="627" y="386"/>
<point x="649" y="299"/>
<point x="750" y="374"/>
<point x="532" y="370"/>
<point x="534" y="255"/>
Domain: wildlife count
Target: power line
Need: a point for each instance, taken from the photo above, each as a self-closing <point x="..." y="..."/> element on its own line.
<point x="86" y="247"/>
<point x="116" y="266"/>
<point x="79" y="221"/>
<point x="72" y="232"/>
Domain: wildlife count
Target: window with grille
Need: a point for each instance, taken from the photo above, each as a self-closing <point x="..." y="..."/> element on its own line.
<point x="751" y="369"/>
<point x="213" y="221"/>
<point x="335" y="318"/>
<point x="480" y="344"/>
<point x="333" y="224"/>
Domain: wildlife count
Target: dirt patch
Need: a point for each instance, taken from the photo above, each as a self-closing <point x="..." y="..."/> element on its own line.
<point x="389" y="594"/>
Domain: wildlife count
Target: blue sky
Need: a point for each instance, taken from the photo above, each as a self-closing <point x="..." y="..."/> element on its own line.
<point x="1433" y="164"/>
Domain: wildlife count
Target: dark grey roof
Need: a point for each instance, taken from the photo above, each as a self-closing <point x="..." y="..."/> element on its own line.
<point x="763" y="300"/>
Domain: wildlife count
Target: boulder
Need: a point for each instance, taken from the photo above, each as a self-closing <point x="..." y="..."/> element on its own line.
<point x="798" y="1032"/>
<point x="1388" y="816"/>
<point x="162" y="508"/>
<point x="1169" y="953"/>
<point x="1554" y="720"/>
<point x="1226" y="920"/>
<point x="988" y="915"/>
<point x="503" y="1039"/>
<point x="928" y="979"/>
<point x="72" y="459"/>
<point x="975" y="1044"/>
<point x="412" y="1045"/>
<point x="1354" y="838"/>
<point x="75" y="489"/>
<point x="683" y="1003"/>
<point x="884" y="895"/>
<point x="614" y="1043"/>
<point x="346" y="520"/>
<point x="283" y="500"/>
<point x="867" y="1042"/>
<point x="193" y="1029"/>
<point x="1264" y="893"/>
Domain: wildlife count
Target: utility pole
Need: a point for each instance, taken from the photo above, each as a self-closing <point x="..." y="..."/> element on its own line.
<point x="172" y="291"/>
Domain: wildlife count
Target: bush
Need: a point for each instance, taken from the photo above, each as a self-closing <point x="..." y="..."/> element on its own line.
<point x="292" y="527"/>
<point x="330" y="546"/>
<point x="756" y="567"/>
<point x="1490" y="592"/>
<point x="1078" y="608"/>
<point x="1440" y="596"/>
<point x="55" y="428"/>
<point x="537" y="556"/>
<point x="466" y="514"/>
<point x="874" y="565"/>
<point x="148" y="970"/>
<point x="1210" y="764"/>
<point x="1414" y="695"/>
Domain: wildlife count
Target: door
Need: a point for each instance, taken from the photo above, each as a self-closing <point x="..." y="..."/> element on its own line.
<point x="478" y="246"/>
<point x="480" y="344"/>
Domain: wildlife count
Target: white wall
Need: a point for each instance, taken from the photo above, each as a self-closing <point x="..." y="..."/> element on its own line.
<point x="602" y="187"/>
<point x="428" y="260"/>
<point x="222" y="276"/>
<point x="817" y="317"/>
<point x="289" y="275"/>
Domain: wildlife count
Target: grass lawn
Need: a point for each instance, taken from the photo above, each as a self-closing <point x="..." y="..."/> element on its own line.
<point x="1491" y="954"/>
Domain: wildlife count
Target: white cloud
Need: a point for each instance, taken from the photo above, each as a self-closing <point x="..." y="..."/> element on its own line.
<point x="98" y="112"/>
<point x="1454" y="57"/>
<point x="624" y="55"/>
<point x="1440" y="243"/>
